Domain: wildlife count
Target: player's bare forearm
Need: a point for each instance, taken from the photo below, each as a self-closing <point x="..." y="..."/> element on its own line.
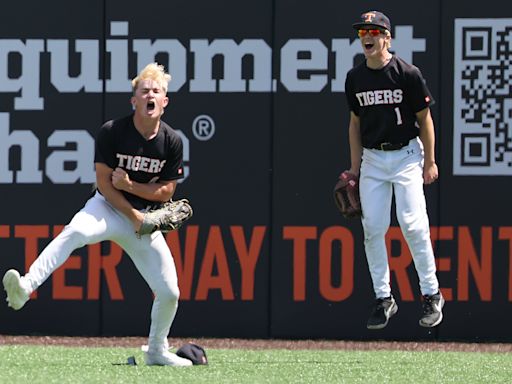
<point x="114" y="196"/>
<point x="356" y="148"/>
<point x="159" y="191"/>
<point x="427" y="137"/>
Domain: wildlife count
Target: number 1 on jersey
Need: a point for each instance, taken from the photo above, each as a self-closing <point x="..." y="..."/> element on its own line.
<point x="398" y="116"/>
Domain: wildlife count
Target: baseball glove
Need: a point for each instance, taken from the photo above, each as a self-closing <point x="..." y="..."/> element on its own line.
<point x="167" y="218"/>
<point x="346" y="195"/>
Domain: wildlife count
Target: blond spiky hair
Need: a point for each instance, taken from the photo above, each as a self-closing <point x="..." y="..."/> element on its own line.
<point x="153" y="71"/>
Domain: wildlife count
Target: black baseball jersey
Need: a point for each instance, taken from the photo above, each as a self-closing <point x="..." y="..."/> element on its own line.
<point x="119" y="144"/>
<point x="386" y="101"/>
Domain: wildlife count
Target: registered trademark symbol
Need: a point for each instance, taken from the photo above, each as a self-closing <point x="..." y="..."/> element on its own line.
<point x="203" y="127"/>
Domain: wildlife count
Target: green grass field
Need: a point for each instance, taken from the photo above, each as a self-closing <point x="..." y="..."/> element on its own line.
<point x="54" y="364"/>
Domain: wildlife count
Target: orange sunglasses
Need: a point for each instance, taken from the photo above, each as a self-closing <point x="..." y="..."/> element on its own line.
<point x="372" y="32"/>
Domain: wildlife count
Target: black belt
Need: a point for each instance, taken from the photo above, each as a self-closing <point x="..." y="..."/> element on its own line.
<point x="390" y="146"/>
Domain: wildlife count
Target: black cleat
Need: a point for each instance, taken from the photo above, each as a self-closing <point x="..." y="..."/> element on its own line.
<point x="432" y="310"/>
<point x="383" y="310"/>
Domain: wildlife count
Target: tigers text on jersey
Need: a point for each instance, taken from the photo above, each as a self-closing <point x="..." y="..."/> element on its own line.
<point x="140" y="163"/>
<point x="386" y="101"/>
<point x="386" y="96"/>
<point x="119" y="144"/>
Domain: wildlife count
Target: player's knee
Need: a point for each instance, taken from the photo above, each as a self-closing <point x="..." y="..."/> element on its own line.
<point x="74" y="235"/>
<point x="168" y="293"/>
<point x="375" y="228"/>
<point x="414" y="227"/>
<point x="416" y="234"/>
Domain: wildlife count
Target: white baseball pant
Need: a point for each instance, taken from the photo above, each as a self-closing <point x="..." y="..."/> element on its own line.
<point x="401" y="172"/>
<point x="99" y="221"/>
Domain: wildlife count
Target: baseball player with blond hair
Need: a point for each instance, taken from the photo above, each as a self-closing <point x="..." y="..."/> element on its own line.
<point x="391" y="135"/>
<point x="138" y="160"/>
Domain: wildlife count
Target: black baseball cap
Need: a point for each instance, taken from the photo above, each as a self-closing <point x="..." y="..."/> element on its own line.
<point x="374" y="19"/>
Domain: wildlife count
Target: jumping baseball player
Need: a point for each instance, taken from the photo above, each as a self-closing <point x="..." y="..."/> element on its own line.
<point x="391" y="135"/>
<point x="138" y="160"/>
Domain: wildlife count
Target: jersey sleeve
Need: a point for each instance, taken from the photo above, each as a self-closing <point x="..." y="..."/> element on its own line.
<point x="419" y="94"/>
<point x="173" y="168"/>
<point x="104" y="149"/>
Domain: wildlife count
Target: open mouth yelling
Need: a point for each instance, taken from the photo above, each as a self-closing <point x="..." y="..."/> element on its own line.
<point x="150" y="106"/>
<point x="368" y="46"/>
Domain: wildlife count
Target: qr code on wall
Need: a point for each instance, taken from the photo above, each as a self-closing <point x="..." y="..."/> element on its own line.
<point x="482" y="110"/>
